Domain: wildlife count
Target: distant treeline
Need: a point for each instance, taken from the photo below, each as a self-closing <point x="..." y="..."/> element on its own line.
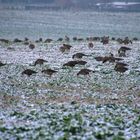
<point x="71" y="4"/>
<point x="26" y="1"/>
<point x="64" y="1"/>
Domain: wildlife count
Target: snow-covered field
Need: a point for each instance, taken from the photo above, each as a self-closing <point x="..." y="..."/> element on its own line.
<point x="103" y="105"/>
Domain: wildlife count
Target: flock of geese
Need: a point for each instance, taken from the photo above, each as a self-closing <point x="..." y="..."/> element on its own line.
<point x="119" y="66"/>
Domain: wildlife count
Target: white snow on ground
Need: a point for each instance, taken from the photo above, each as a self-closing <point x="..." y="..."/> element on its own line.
<point x="104" y="104"/>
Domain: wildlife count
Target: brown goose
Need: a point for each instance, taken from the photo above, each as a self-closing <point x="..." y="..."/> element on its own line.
<point x="39" y="40"/>
<point x="105" y="40"/>
<point x="16" y="40"/>
<point x="122" y="50"/>
<point x="120" y="68"/>
<point x="31" y="46"/>
<point x="110" y="59"/>
<point x="80" y="39"/>
<point x="121" y="64"/>
<point x="49" y="72"/>
<point x="65" y="47"/>
<point x="113" y="39"/>
<point x="2" y="64"/>
<point x="79" y="55"/>
<point x="60" y="39"/>
<point x="127" y="41"/>
<point x="107" y="58"/>
<point x="135" y="39"/>
<point x="48" y="40"/>
<point x="90" y="45"/>
<point x="26" y="43"/>
<point x="26" y="39"/>
<point x="4" y="40"/>
<point x="119" y="40"/>
<point x="40" y="62"/>
<point x="99" y="58"/>
<point x="28" y="72"/>
<point x="70" y="64"/>
<point x="96" y="38"/>
<point x="74" y="38"/>
<point x="84" y="72"/>
<point x="80" y="62"/>
<point x="67" y="38"/>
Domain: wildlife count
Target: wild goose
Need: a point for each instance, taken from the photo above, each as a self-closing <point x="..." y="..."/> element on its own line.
<point x="40" y="62"/>
<point x="84" y="72"/>
<point x="31" y="46"/>
<point x="67" y="38"/>
<point x="49" y="72"/>
<point x="16" y="40"/>
<point x="4" y="40"/>
<point x="123" y="48"/>
<point x="48" y="40"/>
<point x="90" y="45"/>
<point x="2" y="64"/>
<point x="105" y="40"/>
<point x="135" y="39"/>
<point x="70" y="64"/>
<point x="127" y="41"/>
<point x="111" y="59"/>
<point x="81" y="62"/>
<point x="121" y="64"/>
<point x="28" y="72"/>
<point x="99" y="58"/>
<point x="122" y="51"/>
<point x="79" y="55"/>
<point x="65" y="47"/>
<point x="74" y="38"/>
<point x="39" y="40"/>
<point x="60" y="39"/>
<point x="26" y="39"/>
<point x="120" y="68"/>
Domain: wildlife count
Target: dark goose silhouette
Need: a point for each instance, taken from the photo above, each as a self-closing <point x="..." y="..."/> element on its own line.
<point x="2" y="64"/>
<point x="90" y="45"/>
<point x="120" y="68"/>
<point x="80" y="62"/>
<point x="105" y="40"/>
<point x="31" y="46"/>
<point x="121" y="64"/>
<point x="79" y="55"/>
<point x="65" y="47"/>
<point x="26" y="39"/>
<point x="60" y="39"/>
<point x="122" y="50"/>
<point x="39" y="40"/>
<point x="16" y="40"/>
<point x="84" y="72"/>
<point x="99" y="58"/>
<point x="48" y="40"/>
<point x="40" y="62"/>
<point x="4" y="40"/>
<point x="111" y="59"/>
<point x="28" y="72"/>
<point x="49" y="72"/>
<point x="67" y="38"/>
<point x="70" y="64"/>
